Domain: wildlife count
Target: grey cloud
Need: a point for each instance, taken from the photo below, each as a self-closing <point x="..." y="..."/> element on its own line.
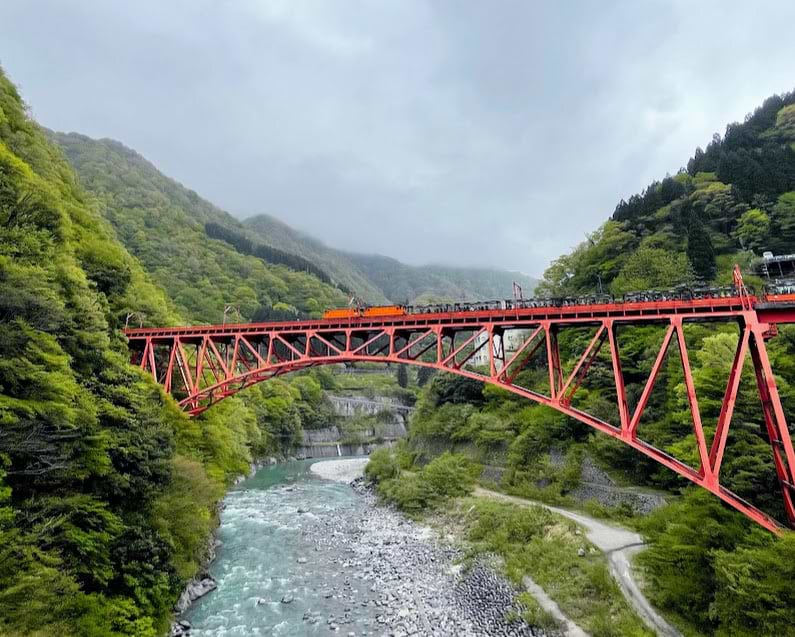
<point x="456" y="132"/>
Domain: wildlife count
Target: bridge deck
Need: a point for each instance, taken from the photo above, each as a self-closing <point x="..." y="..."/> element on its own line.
<point x="694" y="310"/>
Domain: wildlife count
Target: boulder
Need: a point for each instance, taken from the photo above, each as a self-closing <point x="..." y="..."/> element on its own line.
<point x="195" y="590"/>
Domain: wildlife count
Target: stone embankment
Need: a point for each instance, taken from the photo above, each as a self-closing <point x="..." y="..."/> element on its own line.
<point x="329" y="442"/>
<point x="349" y="406"/>
<point x="594" y="485"/>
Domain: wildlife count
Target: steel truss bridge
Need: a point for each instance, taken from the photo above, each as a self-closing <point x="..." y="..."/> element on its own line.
<point x="202" y="365"/>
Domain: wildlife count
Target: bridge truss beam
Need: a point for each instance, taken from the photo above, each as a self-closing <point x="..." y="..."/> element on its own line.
<point x="203" y="366"/>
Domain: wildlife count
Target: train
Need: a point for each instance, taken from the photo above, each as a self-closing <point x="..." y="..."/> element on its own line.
<point x="362" y="311"/>
<point x="782" y="292"/>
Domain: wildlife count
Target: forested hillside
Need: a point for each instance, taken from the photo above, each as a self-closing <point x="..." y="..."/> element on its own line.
<point x="206" y="259"/>
<point x="709" y="568"/>
<point x="336" y="263"/>
<point x="107" y="490"/>
<point x="735" y="200"/>
<point x="92" y="456"/>
<point x="165" y="226"/>
<point x="377" y="278"/>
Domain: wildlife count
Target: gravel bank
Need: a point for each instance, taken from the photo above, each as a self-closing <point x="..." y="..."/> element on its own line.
<point x="413" y="584"/>
<point x="346" y="470"/>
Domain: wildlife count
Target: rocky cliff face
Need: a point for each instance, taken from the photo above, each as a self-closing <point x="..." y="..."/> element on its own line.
<point x="369" y="432"/>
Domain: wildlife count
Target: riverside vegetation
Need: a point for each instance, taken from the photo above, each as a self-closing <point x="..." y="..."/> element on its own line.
<point x="530" y="541"/>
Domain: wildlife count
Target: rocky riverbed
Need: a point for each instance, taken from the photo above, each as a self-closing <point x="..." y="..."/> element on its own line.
<point x="416" y="585"/>
<point x="328" y="560"/>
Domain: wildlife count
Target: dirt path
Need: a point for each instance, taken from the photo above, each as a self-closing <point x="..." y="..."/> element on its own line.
<point x="618" y="544"/>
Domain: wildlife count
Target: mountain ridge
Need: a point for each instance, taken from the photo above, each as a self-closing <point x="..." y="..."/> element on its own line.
<point x="126" y="180"/>
<point x="415" y="283"/>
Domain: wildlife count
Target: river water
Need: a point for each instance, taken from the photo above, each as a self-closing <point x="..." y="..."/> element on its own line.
<point x="263" y="538"/>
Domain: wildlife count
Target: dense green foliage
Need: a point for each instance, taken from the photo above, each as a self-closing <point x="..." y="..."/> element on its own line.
<point x="382" y="466"/>
<point x="735" y="200"/>
<point x="163" y="225"/>
<point x="244" y="245"/>
<point x="446" y="476"/>
<point x="717" y="572"/>
<point x="88" y="447"/>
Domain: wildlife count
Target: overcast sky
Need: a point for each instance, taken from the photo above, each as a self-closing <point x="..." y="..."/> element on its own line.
<point x="473" y="133"/>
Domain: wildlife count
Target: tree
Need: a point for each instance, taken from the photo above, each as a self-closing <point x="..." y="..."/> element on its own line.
<point x="754" y="595"/>
<point x="783" y="221"/>
<point x="700" y="250"/>
<point x="753" y="230"/>
<point x="424" y="374"/>
<point x="652" y="268"/>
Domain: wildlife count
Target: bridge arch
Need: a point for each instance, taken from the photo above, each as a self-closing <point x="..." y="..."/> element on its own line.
<point x="201" y="366"/>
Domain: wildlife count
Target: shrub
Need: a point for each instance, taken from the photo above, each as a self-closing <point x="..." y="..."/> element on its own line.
<point x="382" y="466"/>
<point x="411" y="493"/>
<point x="405" y="457"/>
<point x="449" y="475"/>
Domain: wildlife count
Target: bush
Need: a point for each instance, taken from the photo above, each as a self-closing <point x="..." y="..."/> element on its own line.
<point x="679" y="564"/>
<point x="405" y="457"/>
<point x="754" y="594"/>
<point x="411" y="493"/>
<point x="449" y="475"/>
<point x="382" y="466"/>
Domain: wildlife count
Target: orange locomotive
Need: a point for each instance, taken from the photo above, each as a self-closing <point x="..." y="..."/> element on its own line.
<point x="364" y="311"/>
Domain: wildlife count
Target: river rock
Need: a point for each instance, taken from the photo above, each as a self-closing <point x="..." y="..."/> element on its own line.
<point x="195" y="590"/>
<point x="178" y="629"/>
<point x="287" y="599"/>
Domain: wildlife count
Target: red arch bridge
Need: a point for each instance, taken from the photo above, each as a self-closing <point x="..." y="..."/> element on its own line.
<point x="202" y="365"/>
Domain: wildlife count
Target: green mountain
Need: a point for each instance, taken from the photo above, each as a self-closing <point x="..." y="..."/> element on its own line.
<point x="165" y="226"/>
<point x="206" y="259"/>
<point x="105" y="489"/>
<point x="277" y="233"/>
<point x="377" y="278"/>
<point x="431" y="283"/>
<point x="735" y="200"/>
